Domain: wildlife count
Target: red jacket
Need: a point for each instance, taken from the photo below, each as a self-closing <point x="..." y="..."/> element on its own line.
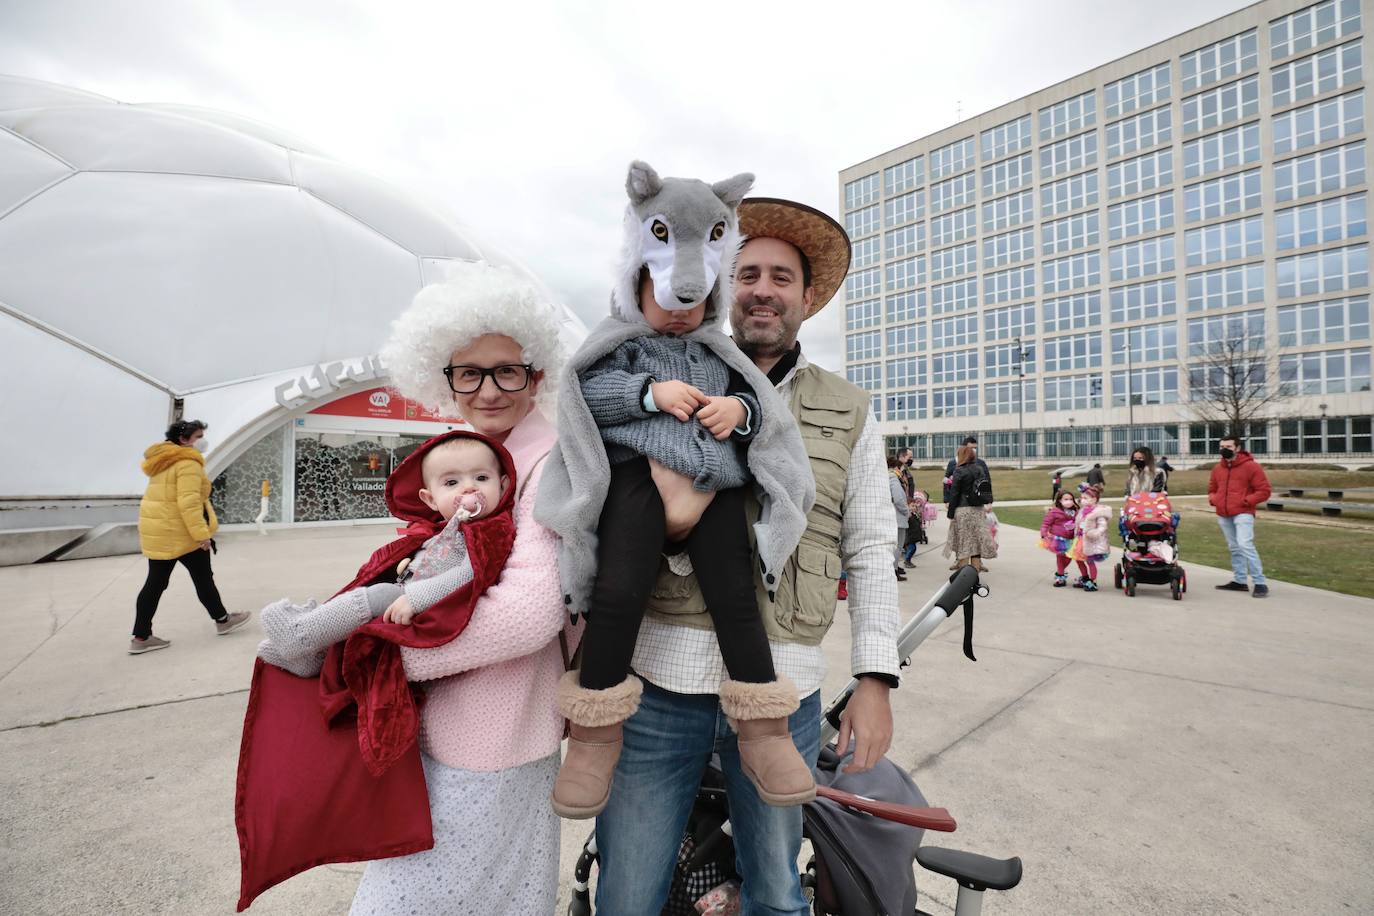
<point x="1237" y="486"/>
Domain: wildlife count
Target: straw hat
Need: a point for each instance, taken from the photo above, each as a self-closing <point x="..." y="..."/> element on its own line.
<point x="819" y="237"/>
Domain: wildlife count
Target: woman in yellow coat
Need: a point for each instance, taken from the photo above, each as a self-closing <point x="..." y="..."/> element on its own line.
<point x="176" y="524"/>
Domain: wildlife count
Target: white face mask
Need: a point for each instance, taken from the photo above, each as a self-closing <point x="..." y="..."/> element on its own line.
<point x="201" y="445"/>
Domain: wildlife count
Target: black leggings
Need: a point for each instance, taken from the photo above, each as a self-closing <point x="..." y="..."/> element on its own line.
<point x="631" y="535"/>
<point x="197" y="563"/>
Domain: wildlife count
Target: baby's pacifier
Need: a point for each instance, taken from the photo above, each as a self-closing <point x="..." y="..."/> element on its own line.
<point x="469" y="505"/>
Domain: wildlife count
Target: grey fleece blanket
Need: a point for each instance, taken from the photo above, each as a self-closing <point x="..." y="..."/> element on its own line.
<point x="577" y="473"/>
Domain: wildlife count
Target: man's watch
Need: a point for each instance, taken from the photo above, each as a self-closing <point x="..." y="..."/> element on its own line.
<point x="890" y="680"/>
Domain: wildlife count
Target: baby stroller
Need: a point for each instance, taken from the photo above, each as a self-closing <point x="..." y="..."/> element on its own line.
<point x="1149" y="527"/>
<point x="864" y="828"/>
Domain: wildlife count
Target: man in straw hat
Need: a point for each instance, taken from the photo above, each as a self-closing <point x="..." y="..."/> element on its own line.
<point x="794" y="260"/>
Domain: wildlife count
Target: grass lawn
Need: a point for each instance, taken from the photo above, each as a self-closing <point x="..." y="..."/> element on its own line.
<point x="1009" y="483"/>
<point x="1309" y="554"/>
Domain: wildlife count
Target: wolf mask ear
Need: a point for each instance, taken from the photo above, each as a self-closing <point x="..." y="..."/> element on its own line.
<point x="642" y="182"/>
<point x="732" y="190"/>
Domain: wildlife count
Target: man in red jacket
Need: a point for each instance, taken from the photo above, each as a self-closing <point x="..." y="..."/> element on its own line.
<point x="1237" y="486"/>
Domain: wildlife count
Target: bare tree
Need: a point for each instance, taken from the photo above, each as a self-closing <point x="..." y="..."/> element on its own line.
<point x="1233" y="383"/>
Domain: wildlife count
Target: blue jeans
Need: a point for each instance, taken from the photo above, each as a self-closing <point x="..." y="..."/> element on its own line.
<point x="1239" y="531"/>
<point x="668" y="744"/>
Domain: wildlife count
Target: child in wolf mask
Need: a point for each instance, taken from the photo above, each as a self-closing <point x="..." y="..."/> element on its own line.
<point x="679" y="416"/>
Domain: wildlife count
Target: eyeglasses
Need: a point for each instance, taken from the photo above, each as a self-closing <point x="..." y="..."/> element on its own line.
<point x="469" y="379"/>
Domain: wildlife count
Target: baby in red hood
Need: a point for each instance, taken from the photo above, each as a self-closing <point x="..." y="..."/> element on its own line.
<point x="463" y="481"/>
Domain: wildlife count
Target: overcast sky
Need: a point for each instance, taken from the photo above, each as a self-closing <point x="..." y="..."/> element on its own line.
<point x="519" y="118"/>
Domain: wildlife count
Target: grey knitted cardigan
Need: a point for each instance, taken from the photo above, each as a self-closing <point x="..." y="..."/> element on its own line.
<point x="577" y="473"/>
<point x="613" y="389"/>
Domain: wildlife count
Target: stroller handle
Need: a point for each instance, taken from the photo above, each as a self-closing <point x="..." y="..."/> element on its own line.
<point x="927" y="818"/>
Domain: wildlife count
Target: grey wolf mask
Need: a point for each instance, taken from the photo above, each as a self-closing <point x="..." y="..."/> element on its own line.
<point x="683" y="230"/>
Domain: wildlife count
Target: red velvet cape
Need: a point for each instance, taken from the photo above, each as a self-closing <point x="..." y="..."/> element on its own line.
<point x="329" y="767"/>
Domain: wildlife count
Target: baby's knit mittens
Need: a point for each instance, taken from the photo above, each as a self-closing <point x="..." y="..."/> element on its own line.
<point x="306" y="666"/>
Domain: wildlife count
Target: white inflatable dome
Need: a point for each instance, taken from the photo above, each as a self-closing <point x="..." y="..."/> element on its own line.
<point x="158" y="252"/>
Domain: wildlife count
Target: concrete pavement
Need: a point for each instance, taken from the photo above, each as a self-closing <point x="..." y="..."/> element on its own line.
<point x="1204" y="756"/>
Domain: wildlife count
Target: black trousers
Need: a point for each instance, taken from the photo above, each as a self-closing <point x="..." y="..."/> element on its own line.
<point x="630" y="542"/>
<point x="197" y="563"/>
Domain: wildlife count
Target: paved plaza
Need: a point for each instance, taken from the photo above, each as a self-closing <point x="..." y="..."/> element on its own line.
<point x="1205" y="756"/>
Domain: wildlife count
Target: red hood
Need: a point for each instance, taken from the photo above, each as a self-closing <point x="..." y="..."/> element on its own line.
<point x="404" y="483"/>
<point x="1241" y="458"/>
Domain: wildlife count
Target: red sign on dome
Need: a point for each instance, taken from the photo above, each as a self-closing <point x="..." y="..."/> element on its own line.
<point x="380" y="404"/>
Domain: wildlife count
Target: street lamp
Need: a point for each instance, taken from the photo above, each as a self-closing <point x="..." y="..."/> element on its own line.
<point x="1020" y="406"/>
<point x="1130" y="394"/>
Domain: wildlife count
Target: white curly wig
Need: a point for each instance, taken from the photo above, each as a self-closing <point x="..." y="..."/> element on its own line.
<point x="475" y="299"/>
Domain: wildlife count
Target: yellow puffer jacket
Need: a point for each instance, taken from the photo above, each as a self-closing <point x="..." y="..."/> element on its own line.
<point x="175" y="514"/>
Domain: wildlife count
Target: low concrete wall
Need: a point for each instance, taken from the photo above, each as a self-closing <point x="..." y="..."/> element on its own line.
<point x="19" y="546"/>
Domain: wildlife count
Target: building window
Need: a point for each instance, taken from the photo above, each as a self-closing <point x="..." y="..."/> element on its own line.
<point x="954" y="297"/>
<point x="1151" y="299"/>
<point x="1068" y="116"/>
<point x="1312" y="26"/>
<point x="955" y="366"/>
<point x="1143" y="173"/>
<point x="1324" y="372"/>
<point x="898" y="243"/>
<point x="1221" y="105"/>
<point x="904" y="274"/>
<point x="1073" y="392"/>
<point x="909" y="405"/>
<point x="863" y="314"/>
<point x="1320" y="73"/>
<point x="1148" y="343"/>
<point x="1069" y="194"/>
<point x="1006" y="285"/>
<point x="1008" y="138"/>
<point x="1003" y="360"/>
<point x="952" y="158"/>
<point x="906" y="373"/>
<point x="953" y="262"/>
<point x="1238" y="332"/>
<point x="1007" y="175"/>
<point x="1006" y="212"/>
<point x="875" y="404"/>
<point x="868" y="345"/>
<point x="1219" y="61"/>
<point x="861" y="192"/>
<point x="906" y="306"/>
<point x="956" y="192"/>
<point x="1076" y="351"/>
<point x="1223" y="196"/>
<point x="1069" y="233"/>
<point x="1015" y="321"/>
<point x="1067" y="313"/>
<point x="955" y="402"/>
<point x="958" y="331"/>
<point x="1076" y="443"/>
<point x="1205" y="438"/>
<point x="1144" y="214"/>
<point x="1338" y="435"/>
<point x="1323" y="271"/>
<point x="904" y="209"/>
<point x="904" y="176"/>
<point x="1223" y="288"/>
<point x="859" y="223"/>
<point x="1162" y="440"/>
<point x="862" y="284"/>
<point x="1222" y="150"/>
<point x="1001" y="397"/>
<point x="1140" y="132"/>
<point x="1320" y="122"/>
<point x="1328" y="322"/>
<point x="908" y="338"/>
<point x="1139" y="90"/>
<point x="866" y="251"/>
<point x="1140" y="259"/>
<point x="953" y="227"/>
<point x="1324" y="221"/>
<point x="1154" y="385"/>
<point x="1009" y="247"/>
<point x="1068" y="155"/>
<point x="868" y="377"/>
<point x="1072" y="272"/>
<point x="1238" y="238"/>
<point x="1318" y="173"/>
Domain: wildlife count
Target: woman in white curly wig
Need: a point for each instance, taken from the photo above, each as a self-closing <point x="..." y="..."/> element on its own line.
<point x="484" y="344"/>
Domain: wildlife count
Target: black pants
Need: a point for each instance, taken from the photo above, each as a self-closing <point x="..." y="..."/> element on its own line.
<point x="197" y="563"/>
<point x="631" y="535"/>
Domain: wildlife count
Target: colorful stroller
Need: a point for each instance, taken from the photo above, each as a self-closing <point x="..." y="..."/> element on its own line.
<point x="864" y="828"/>
<point x="1149" y="527"/>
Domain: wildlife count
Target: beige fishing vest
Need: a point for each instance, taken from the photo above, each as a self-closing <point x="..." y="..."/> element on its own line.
<point x="830" y="413"/>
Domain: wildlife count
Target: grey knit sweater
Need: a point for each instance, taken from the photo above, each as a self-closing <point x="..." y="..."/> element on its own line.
<point x="614" y="390"/>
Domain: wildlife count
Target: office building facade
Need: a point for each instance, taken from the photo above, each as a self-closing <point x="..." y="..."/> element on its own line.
<point x="1088" y="268"/>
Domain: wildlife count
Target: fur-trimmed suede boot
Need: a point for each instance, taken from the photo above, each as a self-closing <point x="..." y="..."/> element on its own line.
<point x="758" y="713"/>
<point x="597" y="720"/>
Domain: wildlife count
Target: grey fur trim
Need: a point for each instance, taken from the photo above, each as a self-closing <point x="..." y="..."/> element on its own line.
<point x="771" y="700"/>
<point x="595" y="708"/>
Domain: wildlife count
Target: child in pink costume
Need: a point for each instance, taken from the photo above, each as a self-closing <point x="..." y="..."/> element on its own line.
<point x="1056" y="535"/>
<point x="1090" y="544"/>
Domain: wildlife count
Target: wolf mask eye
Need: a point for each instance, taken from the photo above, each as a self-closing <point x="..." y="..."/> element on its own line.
<point x="659" y="230"/>
<point x="718" y="232"/>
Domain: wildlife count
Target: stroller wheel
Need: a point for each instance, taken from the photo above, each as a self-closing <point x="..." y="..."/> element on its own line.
<point x="1116" y="575"/>
<point x="1176" y="589"/>
<point x="1130" y="587"/>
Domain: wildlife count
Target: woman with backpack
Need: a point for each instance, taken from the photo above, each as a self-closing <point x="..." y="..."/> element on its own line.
<point x="970" y="541"/>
